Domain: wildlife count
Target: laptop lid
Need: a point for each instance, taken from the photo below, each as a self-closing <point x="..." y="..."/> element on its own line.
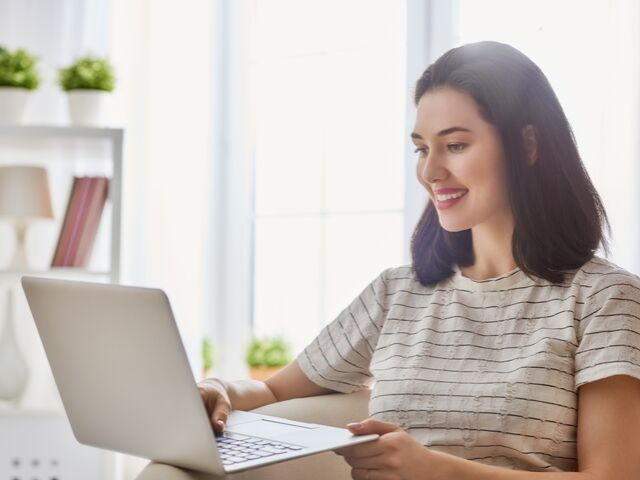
<point x="119" y="365"/>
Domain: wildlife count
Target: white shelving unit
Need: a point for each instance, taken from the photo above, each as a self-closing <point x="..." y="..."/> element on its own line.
<point x="115" y="137"/>
<point x="38" y="443"/>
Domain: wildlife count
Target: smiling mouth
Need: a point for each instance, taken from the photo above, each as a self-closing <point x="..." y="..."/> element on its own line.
<point x="450" y="196"/>
<point x="444" y="201"/>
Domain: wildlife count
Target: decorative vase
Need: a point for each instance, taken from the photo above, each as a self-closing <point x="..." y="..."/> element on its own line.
<point x="14" y="371"/>
<point x="87" y="107"/>
<point x="14" y="102"/>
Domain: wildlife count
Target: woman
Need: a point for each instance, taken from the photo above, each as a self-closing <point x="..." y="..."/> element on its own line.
<point x="508" y="345"/>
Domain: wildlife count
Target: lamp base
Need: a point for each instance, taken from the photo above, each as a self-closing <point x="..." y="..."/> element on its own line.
<point x="19" y="261"/>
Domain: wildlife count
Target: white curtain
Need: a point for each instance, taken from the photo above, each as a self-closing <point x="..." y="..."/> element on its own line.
<point x="164" y="52"/>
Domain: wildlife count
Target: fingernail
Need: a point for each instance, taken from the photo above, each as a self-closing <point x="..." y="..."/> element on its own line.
<point x="354" y="426"/>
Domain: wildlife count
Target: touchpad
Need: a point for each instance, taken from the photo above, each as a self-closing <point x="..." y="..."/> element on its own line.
<point x="268" y="428"/>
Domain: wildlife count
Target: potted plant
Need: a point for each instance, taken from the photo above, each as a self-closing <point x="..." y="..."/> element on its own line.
<point x="265" y="356"/>
<point x="18" y="78"/>
<point x="207" y="357"/>
<point x="88" y="83"/>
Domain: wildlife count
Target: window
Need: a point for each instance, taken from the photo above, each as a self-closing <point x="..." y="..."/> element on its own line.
<point x="329" y="160"/>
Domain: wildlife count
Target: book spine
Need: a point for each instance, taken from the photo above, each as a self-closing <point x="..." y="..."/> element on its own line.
<point x="65" y="228"/>
<point x="86" y="185"/>
<point x="94" y="214"/>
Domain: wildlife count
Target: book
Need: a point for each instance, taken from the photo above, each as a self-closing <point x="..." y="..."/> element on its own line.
<point x="86" y="184"/>
<point x="82" y="219"/>
<point x="98" y="199"/>
<point x="65" y="230"/>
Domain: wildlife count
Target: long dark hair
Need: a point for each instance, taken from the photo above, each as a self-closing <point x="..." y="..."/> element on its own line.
<point x="559" y="217"/>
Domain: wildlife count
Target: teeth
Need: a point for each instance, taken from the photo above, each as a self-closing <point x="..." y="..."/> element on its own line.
<point x="444" y="198"/>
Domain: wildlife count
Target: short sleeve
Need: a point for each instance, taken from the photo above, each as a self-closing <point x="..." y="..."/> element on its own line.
<point x="339" y="357"/>
<point x="609" y="329"/>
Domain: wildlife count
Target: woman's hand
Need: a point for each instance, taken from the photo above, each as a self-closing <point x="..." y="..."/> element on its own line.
<point x="216" y="400"/>
<point x="394" y="456"/>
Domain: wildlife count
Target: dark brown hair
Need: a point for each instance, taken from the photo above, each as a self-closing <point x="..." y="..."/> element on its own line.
<point x="559" y="217"/>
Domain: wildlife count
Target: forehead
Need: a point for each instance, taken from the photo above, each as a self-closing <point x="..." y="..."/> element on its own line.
<point x="443" y="108"/>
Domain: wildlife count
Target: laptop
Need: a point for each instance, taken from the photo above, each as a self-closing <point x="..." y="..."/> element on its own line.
<point x="126" y="384"/>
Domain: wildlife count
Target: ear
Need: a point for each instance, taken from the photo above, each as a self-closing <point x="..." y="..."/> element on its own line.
<point x="530" y="144"/>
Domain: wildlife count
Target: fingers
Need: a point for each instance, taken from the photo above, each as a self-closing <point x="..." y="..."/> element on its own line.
<point x="216" y="401"/>
<point x="368" y="449"/>
<point x="367" y="463"/>
<point x="220" y="415"/>
<point x="371" y="425"/>
<point x="365" y="474"/>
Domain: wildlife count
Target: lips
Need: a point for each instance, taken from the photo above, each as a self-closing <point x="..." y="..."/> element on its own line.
<point x="447" y="197"/>
<point x="443" y="194"/>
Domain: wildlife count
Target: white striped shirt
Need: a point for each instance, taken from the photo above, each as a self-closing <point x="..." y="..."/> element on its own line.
<point x="484" y="370"/>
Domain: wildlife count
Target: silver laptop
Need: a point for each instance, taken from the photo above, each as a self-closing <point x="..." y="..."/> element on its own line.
<point x="126" y="384"/>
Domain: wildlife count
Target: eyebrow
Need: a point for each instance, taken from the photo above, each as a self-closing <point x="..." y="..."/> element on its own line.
<point x="444" y="132"/>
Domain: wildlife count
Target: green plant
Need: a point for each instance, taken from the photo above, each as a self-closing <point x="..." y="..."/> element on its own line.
<point x="88" y="73"/>
<point x="18" y="69"/>
<point x="268" y="352"/>
<point x="207" y="354"/>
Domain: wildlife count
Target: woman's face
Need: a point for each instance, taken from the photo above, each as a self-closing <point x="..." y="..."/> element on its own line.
<point x="461" y="161"/>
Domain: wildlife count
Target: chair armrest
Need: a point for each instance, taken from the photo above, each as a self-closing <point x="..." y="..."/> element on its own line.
<point x="336" y="409"/>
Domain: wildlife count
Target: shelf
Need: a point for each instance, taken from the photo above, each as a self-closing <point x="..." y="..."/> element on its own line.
<point x="59" y="131"/>
<point x="29" y="412"/>
<point x="57" y="272"/>
<point x="115" y="137"/>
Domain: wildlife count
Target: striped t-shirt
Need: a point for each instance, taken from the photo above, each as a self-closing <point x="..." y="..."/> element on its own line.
<point x="484" y="370"/>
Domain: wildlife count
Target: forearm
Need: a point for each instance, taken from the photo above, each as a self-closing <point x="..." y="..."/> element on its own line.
<point x="456" y="468"/>
<point x="288" y="383"/>
<point x="248" y="394"/>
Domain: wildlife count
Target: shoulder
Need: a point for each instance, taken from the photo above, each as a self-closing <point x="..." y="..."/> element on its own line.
<point x="401" y="285"/>
<point x="602" y="280"/>
<point x="599" y="272"/>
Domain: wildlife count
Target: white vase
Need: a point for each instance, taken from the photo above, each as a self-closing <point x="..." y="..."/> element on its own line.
<point x="87" y="107"/>
<point x="14" y="371"/>
<point x="14" y="103"/>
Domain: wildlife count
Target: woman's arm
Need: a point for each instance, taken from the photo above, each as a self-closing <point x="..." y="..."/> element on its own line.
<point x="290" y="382"/>
<point x="220" y="396"/>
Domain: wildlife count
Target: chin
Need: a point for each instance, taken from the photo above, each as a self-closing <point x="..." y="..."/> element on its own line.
<point x="454" y="227"/>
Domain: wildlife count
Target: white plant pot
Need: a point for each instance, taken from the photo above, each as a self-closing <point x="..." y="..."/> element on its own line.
<point x="14" y="103"/>
<point x="87" y="107"/>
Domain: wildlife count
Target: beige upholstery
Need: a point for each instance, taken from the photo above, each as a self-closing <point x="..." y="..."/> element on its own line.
<point x="334" y="409"/>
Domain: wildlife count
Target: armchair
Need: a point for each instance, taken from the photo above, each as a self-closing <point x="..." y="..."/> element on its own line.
<point x="334" y="409"/>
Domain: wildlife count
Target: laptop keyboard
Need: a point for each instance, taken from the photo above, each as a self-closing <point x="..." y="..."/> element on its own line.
<point x="236" y="448"/>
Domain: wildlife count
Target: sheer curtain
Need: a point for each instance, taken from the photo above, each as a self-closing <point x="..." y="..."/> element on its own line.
<point x="164" y="52"/>
<point x="329" y="179"/>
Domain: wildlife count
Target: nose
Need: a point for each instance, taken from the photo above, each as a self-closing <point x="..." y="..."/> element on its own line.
<point x="431" y="170"/>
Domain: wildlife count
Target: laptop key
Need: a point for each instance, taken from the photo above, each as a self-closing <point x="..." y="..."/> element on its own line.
<point x="236" y="459"/>
<point x="273" y="449"/>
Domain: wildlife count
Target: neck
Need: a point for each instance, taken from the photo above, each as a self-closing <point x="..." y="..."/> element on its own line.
<point x="492" y="251"/>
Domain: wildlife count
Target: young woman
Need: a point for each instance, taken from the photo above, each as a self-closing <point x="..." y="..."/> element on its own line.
<point x="508" y="349"/>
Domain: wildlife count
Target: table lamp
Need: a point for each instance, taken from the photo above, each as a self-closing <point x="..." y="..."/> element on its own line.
<point x="24" y="197"/>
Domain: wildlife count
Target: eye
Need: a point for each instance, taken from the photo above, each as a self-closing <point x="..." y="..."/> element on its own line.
<point x="422" y="151"/>
<point x="456" y="147"/>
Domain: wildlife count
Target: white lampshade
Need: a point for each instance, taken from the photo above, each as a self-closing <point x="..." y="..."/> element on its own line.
<point x="24" y="192"/>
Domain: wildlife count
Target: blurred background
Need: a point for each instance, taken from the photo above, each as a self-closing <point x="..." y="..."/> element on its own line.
<point x="266" y="170"/>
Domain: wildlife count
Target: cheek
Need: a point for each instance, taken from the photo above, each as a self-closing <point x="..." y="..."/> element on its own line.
<point x="486" y="178"/>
